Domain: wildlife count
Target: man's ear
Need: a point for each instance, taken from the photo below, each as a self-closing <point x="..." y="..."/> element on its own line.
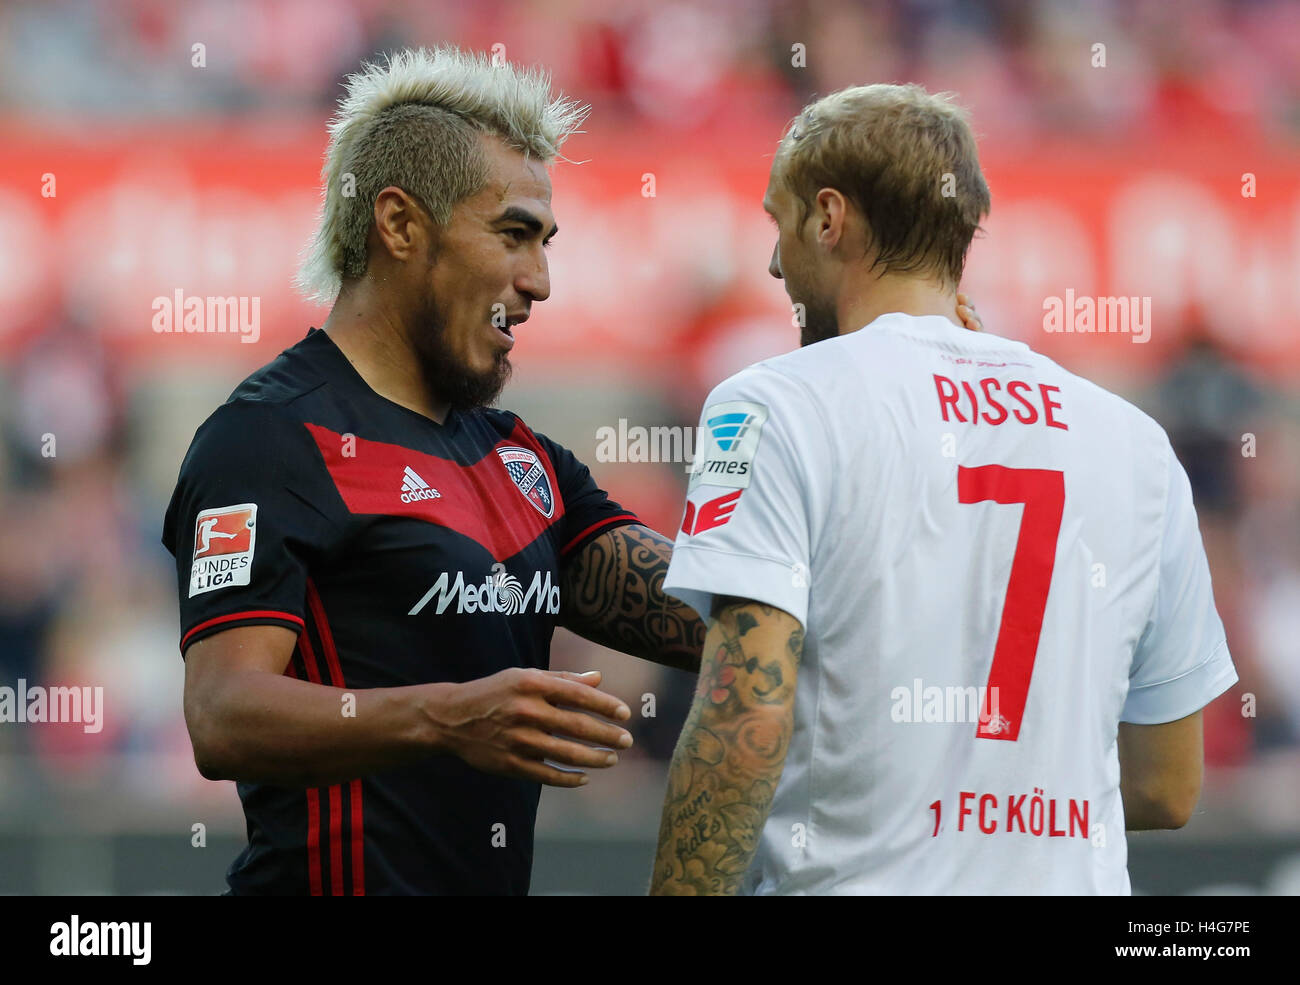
<point x="401" y="226"/>
<point x="830" y="209"/>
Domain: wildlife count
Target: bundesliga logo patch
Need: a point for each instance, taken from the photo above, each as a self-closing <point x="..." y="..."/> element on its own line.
<point x="223" y="547"/>
<point x="529" y="476"/>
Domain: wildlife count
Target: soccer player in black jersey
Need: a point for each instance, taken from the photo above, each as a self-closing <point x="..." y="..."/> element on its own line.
<point x="371" y="562"/>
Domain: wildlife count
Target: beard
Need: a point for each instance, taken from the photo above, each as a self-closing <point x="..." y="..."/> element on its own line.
<point x="446" y="375"/>
<point x="819" y="322"/>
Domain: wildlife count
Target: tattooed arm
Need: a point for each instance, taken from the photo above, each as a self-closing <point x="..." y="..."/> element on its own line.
<point x="731" y="751"/>
<point x="614" y="595"/>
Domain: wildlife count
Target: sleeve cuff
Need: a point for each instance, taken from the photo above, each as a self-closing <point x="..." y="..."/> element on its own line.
<point x="599" y="527"/>
<point x="251" y="617"/>
<point x="699" y="573"/>
<point x="1168" y="701"/>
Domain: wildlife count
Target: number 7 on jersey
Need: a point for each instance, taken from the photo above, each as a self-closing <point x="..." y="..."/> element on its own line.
<point x="1043" y="494"/>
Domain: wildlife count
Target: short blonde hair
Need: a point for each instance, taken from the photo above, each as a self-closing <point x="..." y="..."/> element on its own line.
<point x="906" y="159"/>
<point x="413" y="122"/>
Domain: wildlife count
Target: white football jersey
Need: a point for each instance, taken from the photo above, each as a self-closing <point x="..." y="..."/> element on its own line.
<point x="995" y="562"/>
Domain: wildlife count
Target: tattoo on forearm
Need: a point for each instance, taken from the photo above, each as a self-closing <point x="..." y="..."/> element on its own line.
<point x="614" y="595"/>
<point x="729" y="758"/>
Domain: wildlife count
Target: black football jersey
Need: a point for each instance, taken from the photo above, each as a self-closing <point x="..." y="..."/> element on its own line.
<point x="402" y="552"/>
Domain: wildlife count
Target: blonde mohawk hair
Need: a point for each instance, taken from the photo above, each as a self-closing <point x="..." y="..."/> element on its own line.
<point x="413" y="122"/>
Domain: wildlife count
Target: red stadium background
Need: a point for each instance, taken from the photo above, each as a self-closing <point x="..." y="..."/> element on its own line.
<point x="1208" y="229"/>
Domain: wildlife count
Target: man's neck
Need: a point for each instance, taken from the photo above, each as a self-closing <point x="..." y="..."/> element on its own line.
<point x="868" y="298"/>
<point x="373" y="342"/>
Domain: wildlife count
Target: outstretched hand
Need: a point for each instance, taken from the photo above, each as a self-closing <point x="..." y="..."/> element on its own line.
<point x="519" y="722"/>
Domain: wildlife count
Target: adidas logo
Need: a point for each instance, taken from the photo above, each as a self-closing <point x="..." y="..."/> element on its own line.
<point x="414" y="488"/>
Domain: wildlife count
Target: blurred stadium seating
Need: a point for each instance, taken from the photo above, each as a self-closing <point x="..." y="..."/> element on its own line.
<point x="1125" y="179"/>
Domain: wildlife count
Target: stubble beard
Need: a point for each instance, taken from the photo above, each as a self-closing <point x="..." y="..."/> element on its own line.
<point x="819" y="322"/>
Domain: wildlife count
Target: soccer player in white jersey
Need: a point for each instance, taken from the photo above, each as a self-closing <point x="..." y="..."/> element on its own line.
<point x="961" y="625"/>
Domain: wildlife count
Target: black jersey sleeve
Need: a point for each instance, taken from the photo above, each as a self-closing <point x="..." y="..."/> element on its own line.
<point x="588" y="510"/>
<point x="248" y="518"/>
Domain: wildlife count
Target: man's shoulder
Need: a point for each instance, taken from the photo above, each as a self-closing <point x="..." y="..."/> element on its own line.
<point x="1106" y="401"/>
<point x="257" y="437"/>
<point x="264" y="412"/>
<point x="807" y="371"/>
<point x="269" y="400"/>
<point x="262" y="437"/>
<point x="789" y="374"/>
<point x="292" y="374"/>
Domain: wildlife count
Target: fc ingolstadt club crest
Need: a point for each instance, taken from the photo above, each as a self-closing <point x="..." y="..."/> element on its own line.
<point x="529" y="476"/>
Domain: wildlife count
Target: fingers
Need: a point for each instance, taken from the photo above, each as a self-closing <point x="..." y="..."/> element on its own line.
<point x="544" y="757"/>
<point x="539" y="772"/>
<point x="559" y="688"/>
<point x="591" y="678"/>
<point x="559" y="750"/>
<point x="575" y="725"/>
<point x="551" y="727"/>
<point x="966" y="312"/>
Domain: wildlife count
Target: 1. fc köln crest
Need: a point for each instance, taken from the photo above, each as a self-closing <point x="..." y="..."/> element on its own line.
<point x="529" y="476"/>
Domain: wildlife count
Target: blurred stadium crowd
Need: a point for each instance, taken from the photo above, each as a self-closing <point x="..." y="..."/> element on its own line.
<point x="1230" y="64"/>
<point x="87" y="594"/>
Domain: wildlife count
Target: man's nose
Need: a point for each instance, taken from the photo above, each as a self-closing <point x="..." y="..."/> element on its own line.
<point x="774" y="265"/>
<point x="535" y="281"/>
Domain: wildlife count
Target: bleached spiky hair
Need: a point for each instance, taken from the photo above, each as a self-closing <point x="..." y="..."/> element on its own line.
<point x="413" y="122"/>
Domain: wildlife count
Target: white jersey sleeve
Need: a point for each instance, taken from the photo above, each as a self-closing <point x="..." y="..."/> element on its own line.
<point x="761" y="466"/>
<point x="1181" y="662"/>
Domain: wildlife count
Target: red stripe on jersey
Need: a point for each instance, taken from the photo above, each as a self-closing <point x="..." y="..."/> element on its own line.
<point x="313" y="794"/>
<point x="250" y="614"/>
<point x="356" y="818"/>
<point x="336" y="840"/>
<point x="596" y="526"/>
<point x="308" y="657"/>
<point x="313" y="840"/>
<point x="326" y="637"/>
<point x="358" y="842"/>
<point x="480" y="501"/>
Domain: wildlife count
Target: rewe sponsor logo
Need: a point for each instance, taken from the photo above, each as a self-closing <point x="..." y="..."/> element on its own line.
<point x="711" y="514"/>
<point x="100" y="939"/>
<point x="499" y="592"/>
<point x="414" y="488"/>
<point x="208" y="316"/>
